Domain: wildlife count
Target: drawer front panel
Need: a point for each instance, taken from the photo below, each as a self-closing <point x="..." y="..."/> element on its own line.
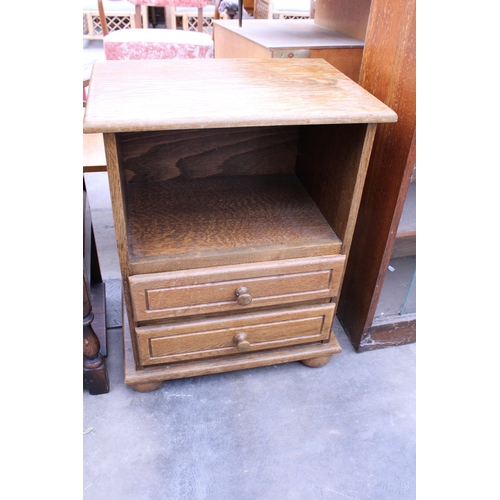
<point x="233" y="288"/>
<point x="231" y="335"/>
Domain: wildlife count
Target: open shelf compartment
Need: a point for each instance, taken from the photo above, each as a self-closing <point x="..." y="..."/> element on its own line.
<point x="198" y="198"/>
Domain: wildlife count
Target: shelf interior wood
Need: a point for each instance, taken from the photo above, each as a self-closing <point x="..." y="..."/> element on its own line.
<point x="181" y="224"/>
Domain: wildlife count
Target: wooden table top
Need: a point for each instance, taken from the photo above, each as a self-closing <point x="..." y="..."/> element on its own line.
<point x="94" y="156"/>
<point x="290" y="34"/>
<point x="148" y="95"/>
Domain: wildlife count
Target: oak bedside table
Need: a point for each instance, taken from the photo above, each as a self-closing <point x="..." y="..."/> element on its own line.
<point x="235" y="185"/>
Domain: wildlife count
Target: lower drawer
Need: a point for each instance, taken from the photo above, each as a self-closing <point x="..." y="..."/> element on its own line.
<point x="231" y="335"/>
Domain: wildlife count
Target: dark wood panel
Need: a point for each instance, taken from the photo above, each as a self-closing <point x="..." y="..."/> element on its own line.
<point x="393" y="332"/>
<point x="158" y="156"/>
<point x="388" y="72"/>
<point x="330" y="165"/>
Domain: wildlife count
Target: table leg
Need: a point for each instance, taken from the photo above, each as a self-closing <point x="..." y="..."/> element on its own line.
<point x="95" y="374"/>
<point x="200" y="19"/>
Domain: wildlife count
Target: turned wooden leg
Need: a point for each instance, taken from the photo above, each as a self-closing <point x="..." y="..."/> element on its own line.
<point x="95" y="374"/>
<point x="170" y="19"/>
<point x="200" y="19"/>
<point x="317" y="362"/>
<point x="138" y="17"/>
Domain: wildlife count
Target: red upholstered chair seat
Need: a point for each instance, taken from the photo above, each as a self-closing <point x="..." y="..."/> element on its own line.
<point x="145" y="43"/>
<point x="157" y="44"/>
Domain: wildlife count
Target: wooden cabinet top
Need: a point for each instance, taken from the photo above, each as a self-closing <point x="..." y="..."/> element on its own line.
<point x="288" y="34"/>
<point x="148" y="95"/>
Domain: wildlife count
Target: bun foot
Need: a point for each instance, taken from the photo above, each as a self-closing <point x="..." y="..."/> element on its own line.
<point x="146" y="386"/>
<point x="316" y="362"/>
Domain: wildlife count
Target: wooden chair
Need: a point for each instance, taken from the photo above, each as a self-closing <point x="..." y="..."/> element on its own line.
<point x="87" y="70"/>
<point x="155" y="43"/>
<point x="283" y="9"/>
<point x="120" y="14"/>
<point x="189" y="20"/>
<point x="169" y="6"/>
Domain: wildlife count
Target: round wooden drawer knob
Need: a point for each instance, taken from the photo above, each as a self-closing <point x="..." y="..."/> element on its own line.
<point x="242" y="344"/>
<point x="242" y="296"/>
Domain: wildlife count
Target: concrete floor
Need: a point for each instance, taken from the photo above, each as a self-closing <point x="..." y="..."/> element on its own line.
<point x="343" y="431"/>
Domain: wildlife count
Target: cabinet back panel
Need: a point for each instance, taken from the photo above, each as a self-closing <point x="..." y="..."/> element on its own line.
<point x="350" y="17"/>
<point x="191" y="154"/>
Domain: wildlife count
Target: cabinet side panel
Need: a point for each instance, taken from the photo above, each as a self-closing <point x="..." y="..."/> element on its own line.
<point x="228" y="44"/>
<point x="350" y="17"/>
<point x="329" y="164"/>
<point x="193" y="154"/>
<point x="118" y="198"/>
<point x="119" y="207"/>
<point x="348" y="61"/>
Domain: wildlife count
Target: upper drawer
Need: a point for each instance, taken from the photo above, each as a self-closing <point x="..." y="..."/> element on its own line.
<point x="236" y="287"/>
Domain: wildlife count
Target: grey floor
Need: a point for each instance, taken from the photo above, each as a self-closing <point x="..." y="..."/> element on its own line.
<point x="343" y="431"/>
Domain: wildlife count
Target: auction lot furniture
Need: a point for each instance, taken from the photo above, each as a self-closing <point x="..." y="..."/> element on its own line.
<point x="233" y="222"/>
<point x="154" y="43"/>
<point x="336" y="34"/>
<point x="120" y="14"/>
<point x="95" y="347"/>
<point x="169" y="6"/>
<point x="95" y="374"/>
<point x="288" y="38"/>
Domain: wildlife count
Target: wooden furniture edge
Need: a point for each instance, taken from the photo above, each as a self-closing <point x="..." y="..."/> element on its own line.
<point x="367" y="109"/>
<point x="405" y="245"/>
<point x="151" y="378"/>
<point x="391" y="163"/>
<point x="394" y="331"/>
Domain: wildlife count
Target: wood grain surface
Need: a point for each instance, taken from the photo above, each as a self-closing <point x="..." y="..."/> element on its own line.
<point x="200" y="181"/>
<point x="182" y="224"/>
<point x="274" y="38"/>
<point x="389" y="71"/>
<point x="94" y="156"/>
<point x="127" y="96"/>
<point x="214" y="289"/>
<point x="151" y="377"/>
<point x="215" y="337"/>
<point x="188" y="154"/>
<point x="331" y="164"/>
